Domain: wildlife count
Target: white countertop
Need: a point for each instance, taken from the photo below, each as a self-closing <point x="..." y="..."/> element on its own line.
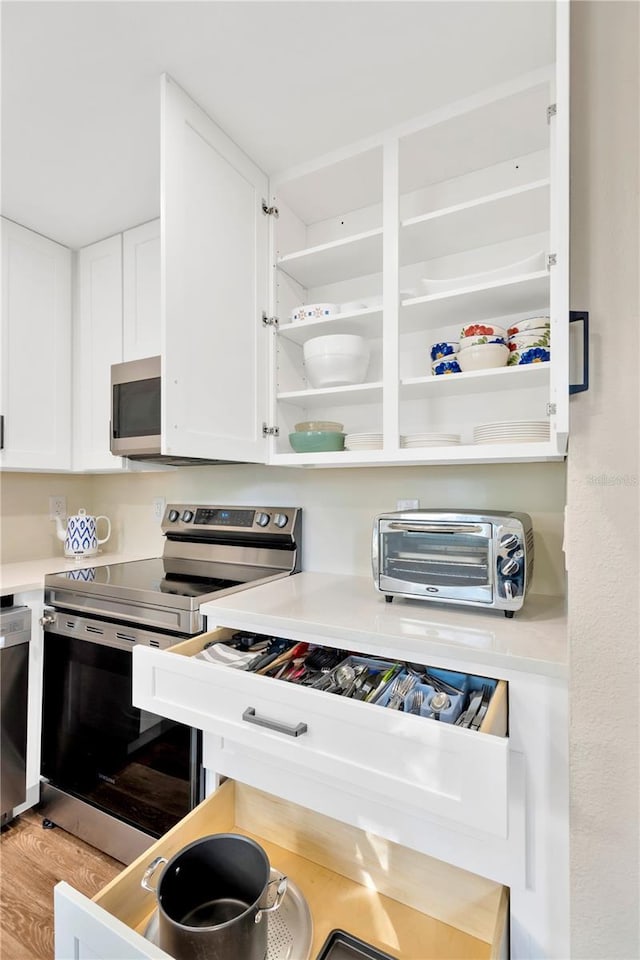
<point x="346" y="611"/>
<point x="29" y="574"/>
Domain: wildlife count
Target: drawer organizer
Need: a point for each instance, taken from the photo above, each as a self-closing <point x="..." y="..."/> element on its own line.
<point x="436" y="769"/>
<point x="404" y="903"/>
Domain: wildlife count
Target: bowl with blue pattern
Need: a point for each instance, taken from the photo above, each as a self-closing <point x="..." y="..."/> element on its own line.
<point x="446" y="348"/>
<point x="445" y="365"/>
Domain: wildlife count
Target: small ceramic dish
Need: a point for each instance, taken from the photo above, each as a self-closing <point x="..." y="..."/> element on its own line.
<point x="519" y="358"/>
<point x="314" y="311"/>
<point x="483" y="356"/>
<point x="482" y="330"/>
<point x="329" y="426"/>
<point x="537" y="338"/>
<point x="445" y="365"/>
<point x="528" y="325"/>
<point x="480" y="341"/>
<point x="443" y="349"/>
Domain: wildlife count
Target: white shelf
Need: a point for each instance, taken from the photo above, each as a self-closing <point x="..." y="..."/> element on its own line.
<point x="463" y="453"/>
<point x="494" y="218"/>
<point x="528" y="292"/>
<point x="356" y="256"/>
<point x="334" y="396"/>
<point x="477" y="381"/>
<point x="366" y="323"/>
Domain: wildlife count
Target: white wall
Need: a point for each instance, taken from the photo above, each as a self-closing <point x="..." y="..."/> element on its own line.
<point x="603" y="485"/>
<point x="339" y="505"/>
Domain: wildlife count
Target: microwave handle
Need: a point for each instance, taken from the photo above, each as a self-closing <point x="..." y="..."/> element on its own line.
<point x="436" y="528"/>
<point x="114" y="425"/>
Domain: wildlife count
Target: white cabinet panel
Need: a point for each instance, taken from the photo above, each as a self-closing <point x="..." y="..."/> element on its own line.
<point x="36" y="351"/>
<point x="141" y="291"/>
<point x="98" y="344"/>
<point x="215" y="257"/>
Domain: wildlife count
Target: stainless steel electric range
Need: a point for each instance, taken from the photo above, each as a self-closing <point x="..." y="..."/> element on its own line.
<point x="114" y="775"/>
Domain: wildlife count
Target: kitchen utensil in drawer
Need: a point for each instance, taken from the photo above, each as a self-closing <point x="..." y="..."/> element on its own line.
<point x="289" y="930"/>
<point x="341" y="945"/>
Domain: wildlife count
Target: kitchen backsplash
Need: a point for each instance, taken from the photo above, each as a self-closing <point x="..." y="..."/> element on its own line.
<point x="339" y="506"/>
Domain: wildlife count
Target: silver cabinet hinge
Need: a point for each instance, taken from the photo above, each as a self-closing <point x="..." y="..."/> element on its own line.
<point x="551" y="409"/>
<point x="269" y="211"/>
<point x="552" y="110"/>
<point x="552" y="260"/>
<point x="269" y="321"/>
<point x="270" y="431"/>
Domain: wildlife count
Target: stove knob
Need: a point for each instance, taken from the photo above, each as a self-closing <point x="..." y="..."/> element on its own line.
<point x="509" y="567"/>
<point x="173" y="516"/>
<point x="262" y="519"/>
<point x="509" y="541"/>
<point x="187" y="516"/>
<point x="281" y="519"/>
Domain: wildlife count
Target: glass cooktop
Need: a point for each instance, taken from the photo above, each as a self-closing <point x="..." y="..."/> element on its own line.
<point x="153" y="576"/>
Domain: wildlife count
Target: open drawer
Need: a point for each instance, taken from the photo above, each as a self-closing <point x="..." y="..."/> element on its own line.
<point x="443" y="770"/>
<point x="402" y="902"/>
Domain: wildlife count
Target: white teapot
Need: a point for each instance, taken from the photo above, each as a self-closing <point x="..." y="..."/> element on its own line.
<point x="80" y="535"/>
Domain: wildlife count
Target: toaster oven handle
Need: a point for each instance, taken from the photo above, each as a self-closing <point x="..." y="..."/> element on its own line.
<point x="437" y="527"/>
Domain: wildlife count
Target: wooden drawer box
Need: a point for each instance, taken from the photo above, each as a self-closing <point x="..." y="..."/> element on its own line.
<point x="408" y="904"/>
<point x="446" y="771"/>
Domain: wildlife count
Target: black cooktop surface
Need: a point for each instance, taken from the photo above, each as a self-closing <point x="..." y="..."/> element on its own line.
<point x="150" y="576"/>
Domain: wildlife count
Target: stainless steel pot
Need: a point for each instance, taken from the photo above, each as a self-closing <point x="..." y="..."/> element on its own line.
<point x="212" y="898"/>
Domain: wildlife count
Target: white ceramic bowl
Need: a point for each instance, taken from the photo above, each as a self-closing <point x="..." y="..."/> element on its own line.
<point x="482" y="330"/>
<point x="337" y="344"/>
<point x="336" y="369"/>
<point x="444" y="348"/>
<point x="467" y="342"/>
<point x="533" y="338"/>
<point x="530" y="264"/>
<point x="483" y="356"/>
<point x="526" y="326"/>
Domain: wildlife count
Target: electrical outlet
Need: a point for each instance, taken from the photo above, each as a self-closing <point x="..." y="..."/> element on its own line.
<point x="408" y="505"/>
<point x="57" y="507"/>
<point x="157" y="505"/>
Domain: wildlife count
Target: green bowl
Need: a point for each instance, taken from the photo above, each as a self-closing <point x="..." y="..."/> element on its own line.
<point x="313" y="441"/>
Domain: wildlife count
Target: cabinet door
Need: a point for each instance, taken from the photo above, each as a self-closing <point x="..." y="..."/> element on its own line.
<point x="214" y="276"/>
<point x="36" y="351"/>
<point x="98" y="344"/>
<point x="141" y="291"/>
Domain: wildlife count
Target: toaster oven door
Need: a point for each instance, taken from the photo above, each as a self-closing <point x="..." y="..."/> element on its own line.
<point x="440" y="560"/>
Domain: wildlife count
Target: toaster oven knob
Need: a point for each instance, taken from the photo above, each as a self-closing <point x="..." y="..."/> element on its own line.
<point x="187" y="516"/>
<point x="173" y="516"/>
<point x="262" y="519"/>
<point x="509" y="567"/>
<point x="509" y="541"/>
<point x="281" y="519"/>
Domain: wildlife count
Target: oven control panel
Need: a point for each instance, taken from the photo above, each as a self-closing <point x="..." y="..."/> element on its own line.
<point x="260" y="520"/>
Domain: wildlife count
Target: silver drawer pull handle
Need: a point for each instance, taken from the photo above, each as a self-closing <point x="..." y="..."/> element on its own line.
<point x="250" y="716"/>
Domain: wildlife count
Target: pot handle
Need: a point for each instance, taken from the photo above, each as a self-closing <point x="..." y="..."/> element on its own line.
<point x="280" y="892"/>
<point x="153" y="866"/>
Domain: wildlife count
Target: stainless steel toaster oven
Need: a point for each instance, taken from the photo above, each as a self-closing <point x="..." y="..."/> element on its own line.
<point x="464" y="557"/>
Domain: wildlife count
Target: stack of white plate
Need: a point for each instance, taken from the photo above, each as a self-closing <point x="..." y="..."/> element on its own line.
<point x="363" y="441"/>
<point x="512" y="431"/>
<point x="430" y="440"/>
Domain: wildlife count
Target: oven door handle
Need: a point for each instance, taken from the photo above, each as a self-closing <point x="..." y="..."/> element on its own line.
<point x="436" y="527"/>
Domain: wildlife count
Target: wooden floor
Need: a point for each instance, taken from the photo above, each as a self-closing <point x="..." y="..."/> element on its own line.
<point x="32" y="861"/>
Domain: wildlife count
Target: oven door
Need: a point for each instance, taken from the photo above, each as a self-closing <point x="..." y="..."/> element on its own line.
<point x="98" y="747"/>
<point x="136" y="392"/>
<point x="440" y="560"/>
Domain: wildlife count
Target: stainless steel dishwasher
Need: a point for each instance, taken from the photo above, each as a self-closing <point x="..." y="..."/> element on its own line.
<point x="15" y="634"/>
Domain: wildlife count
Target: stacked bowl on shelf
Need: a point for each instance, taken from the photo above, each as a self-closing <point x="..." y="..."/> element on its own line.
<point x="336" y="360"/>
<point x="317" y="436"/>
<point x="529" y="341"/>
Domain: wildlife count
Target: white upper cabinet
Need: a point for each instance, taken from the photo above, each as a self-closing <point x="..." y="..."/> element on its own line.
<point x="36" y="351"/>
<point x="214" y="277"/>
<point x="97" y="344"/>
<point x="459" y="217"/>
<point x="141" y="291"/>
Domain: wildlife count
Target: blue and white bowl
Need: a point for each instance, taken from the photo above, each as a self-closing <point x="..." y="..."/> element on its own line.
<point x="445" y="365"/>
<point x="445" y="348"/>
<point x="518" y="358"/>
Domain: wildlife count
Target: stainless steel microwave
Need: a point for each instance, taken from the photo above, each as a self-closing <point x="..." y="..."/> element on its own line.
<point x="465" y="557"/>
<point x="136" y="413"/>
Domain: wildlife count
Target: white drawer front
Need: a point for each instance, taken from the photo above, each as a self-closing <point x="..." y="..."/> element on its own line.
<point x="447" y="771"/>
